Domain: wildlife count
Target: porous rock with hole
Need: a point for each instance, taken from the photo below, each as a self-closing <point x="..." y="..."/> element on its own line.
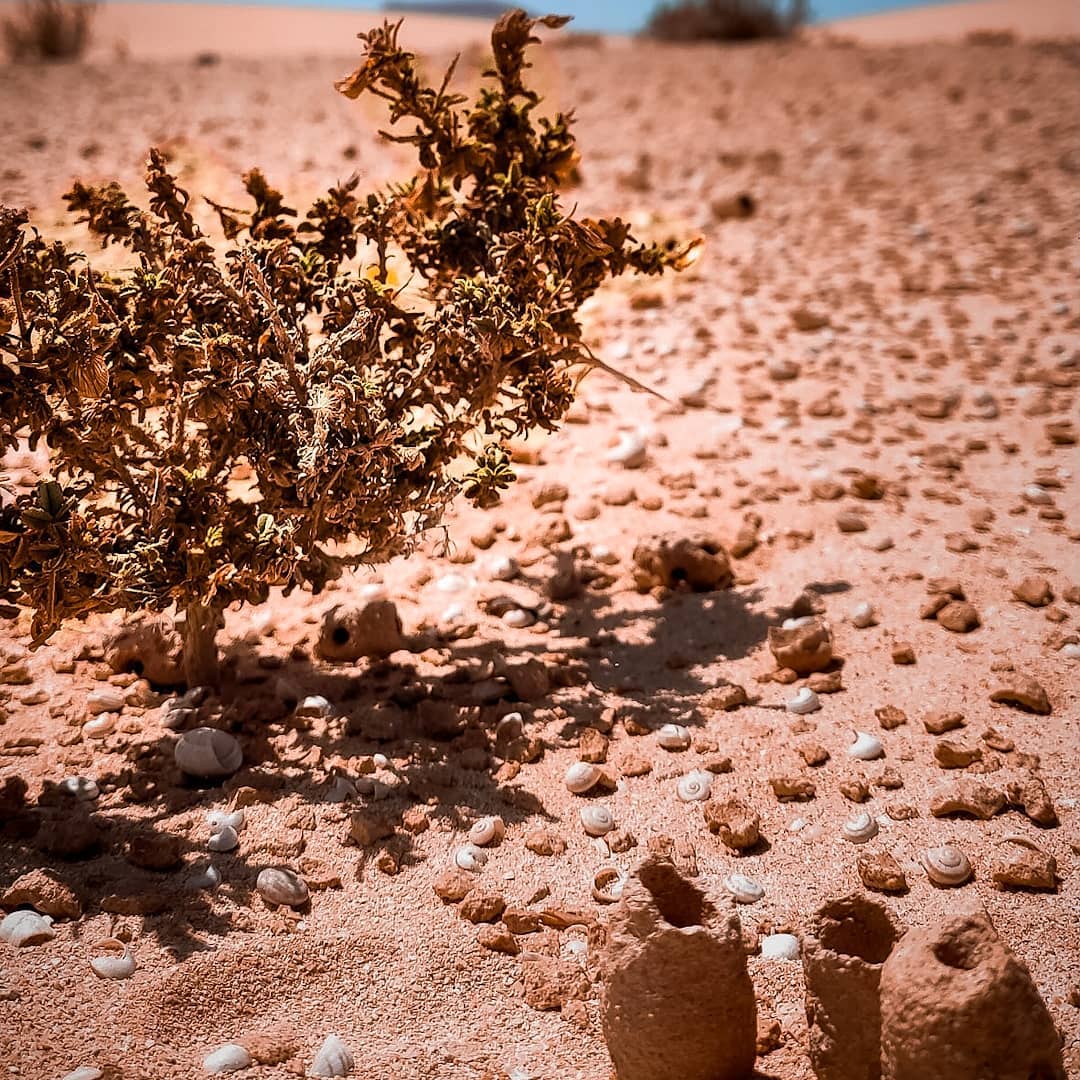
<point x="843" y="950"/>
<point x="957" y="1004"/>
<point x="677" y="1002"/>
<point x="349" y="633"/>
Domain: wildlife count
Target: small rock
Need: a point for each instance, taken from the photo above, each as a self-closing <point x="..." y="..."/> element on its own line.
<point x="498" y="939"/>
<point x="1030" y="795"/>
<point x="550" y="983"/>
<point x="1035" y="591"/>
<point x="480" y="906"/>
<point x="890" y="717"/>
<point x="959" y="616"/>
<point x="544" y="842"/>
<point x="697" y="566"/>
<point x="952" y="755"/>
<point x="966" y="796"/>
<point x="366" y="828"/>
<point x="349" y="633"/>
<point x="849" y="521"/>
<point x="44" y="892"/>
<point x="792" y="788"/>
<point x="903" y="652"/>
<point x="937" y="723"/>
<point x="804" y="648"/>
<point x="1023" y="692"/>
<point x="737" y="824"/>
<point x="881" y="872"/>
<point x="453" y="884"/>
<point x="1024" y="866"/>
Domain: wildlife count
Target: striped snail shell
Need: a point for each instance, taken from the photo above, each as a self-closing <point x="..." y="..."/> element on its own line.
<point x="597" y="820"/>
<point x="488" y="830"/>
<point x="946" y="866"/>
<point x="860" y="828"/>
<point x="695" y="786"/>
<point x="581" y="777"/>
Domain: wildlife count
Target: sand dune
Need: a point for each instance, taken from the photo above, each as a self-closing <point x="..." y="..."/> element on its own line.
<point x="950" y="22"/>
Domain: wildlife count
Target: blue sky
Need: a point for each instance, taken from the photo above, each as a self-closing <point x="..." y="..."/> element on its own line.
<point x="619" y="16"/>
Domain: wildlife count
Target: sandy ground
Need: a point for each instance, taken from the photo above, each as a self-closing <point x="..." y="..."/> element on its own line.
<point x="923" y="204"/>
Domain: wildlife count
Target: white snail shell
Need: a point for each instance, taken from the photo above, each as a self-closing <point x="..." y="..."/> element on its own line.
<point x="673" y="737"/>
<point x="695" y="786"/>
<point x="333" y="1059"/>
<point x="607" y="884"/>
<point x="597" y="820"/>
<point x="780" y="947"/>
<point x="946" y="866"/>
<point x="220" y="819"/>
<point x="863" y="616"/>
<point x="503" y="568"/>
<point x="117" y="961"/>
<point x="99" y="727"/>
<point x="225" y="839"/>
<point x="488" y="830"/>
<point x="805" y="701"/>
<point x="744" y="889"/>
<point x="581" y="777"/>
<point x="314" y="705"/>
<point x="276" y="885"/>
<point x="81" y="787"/>
<point x="519" y="618"/>
<point x="860" y="828"/>
<point x="26" y="927"/>
<point x="630" y="450"/>
<point x="84" y="1072"/>
<point x="208" y="753"/>
<point x="208" y="878"/>
<point x="1071" y="651"/>
<point x="866" y="747"/>
<point x="232" y="1057"/>
<point x="470" y="858"/>
<point x="793" y="624"/>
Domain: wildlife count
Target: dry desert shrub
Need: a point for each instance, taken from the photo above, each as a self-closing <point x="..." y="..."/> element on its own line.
<point x="726" y="20"/>
<point x="268" y="409"/>
<point x="48" y="30"/>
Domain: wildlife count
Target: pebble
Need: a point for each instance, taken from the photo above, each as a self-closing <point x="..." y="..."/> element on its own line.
<point x="232" y="1057"/>
<point x="863" y="616"/>
<point x="277" y="885"/>
<point x="1021" y="691"/>
<point x="332" y="1059"/>
<point x="737" y="824"/>
<point x="780" y="947"/>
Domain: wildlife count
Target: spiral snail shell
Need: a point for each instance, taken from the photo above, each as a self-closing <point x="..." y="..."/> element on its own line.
<point x="860" y="828"/>
<point x="581" y="777"/>
<point x="488" y="830"/>
<point x="745" y="890"/>
<point x="471" y="858"/>
<point x="946" y="866"/>
<point x="597" y="820"/>
<point x="607" y="884"/>
<point x="695" y="786"/>
<point x="116" y="961"/>
<point x="805" y="701"/>
<point x="208" y="753"/>
<point x="673" y="737"/>
<point x="81" y="787"/>
<point x="866" y="747"/>
<point x="232" y="1057"/>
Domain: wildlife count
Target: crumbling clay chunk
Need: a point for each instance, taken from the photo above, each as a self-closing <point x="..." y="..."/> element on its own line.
<point x="1023" y="692"/>
<point x="734" y="822"/>
<point x="966" y="796"/>
<point x="956" y="1004"/>
<point x="677" y="1002"/>
<point x="805" y="649"/>
<point x="699" y="566"/>
<point x="843" y="950"/>
<point x="149" y="648"/>
<point x="348" y="633"/>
